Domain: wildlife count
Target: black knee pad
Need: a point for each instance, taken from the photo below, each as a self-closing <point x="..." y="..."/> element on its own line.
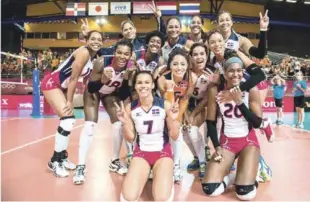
<point x="209" y="188"/>
<point x="244" y="189"/>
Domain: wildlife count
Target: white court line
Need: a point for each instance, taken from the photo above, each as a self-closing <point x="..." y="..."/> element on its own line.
<point x="34" y="142"/>
<point x="3" y="120"/>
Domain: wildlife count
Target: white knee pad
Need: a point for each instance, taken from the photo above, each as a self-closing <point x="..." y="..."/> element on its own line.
<point x="67" y="123"/>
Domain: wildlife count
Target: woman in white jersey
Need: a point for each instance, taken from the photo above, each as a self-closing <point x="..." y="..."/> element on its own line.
<point x="238" y="139"/>
<point x="235" y="41"/>
<point x="196" y="113"/>
<point x="177" y="83"/>
<point x="58" y="88"/>
<point x="104" y="85"/>
<point x="148" y="121"/>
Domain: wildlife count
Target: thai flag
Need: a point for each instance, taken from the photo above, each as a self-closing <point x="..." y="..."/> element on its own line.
<point x="167" y="8"/>
<point x="189" y="8"/>
<point x="76" y="9"/>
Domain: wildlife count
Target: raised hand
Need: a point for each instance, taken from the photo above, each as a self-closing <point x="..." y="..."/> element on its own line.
<point x="236" y="95"/>
<point x="121" y="113"/>
<point x="155" y="10"/>
<point x="173" y="111"/>
<point x="84" y="26"/>
<point x="264" y="20"/>
<point x="108" y="73"/>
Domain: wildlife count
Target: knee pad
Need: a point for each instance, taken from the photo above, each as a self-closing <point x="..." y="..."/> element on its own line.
<point x="213" y="189"/>
<point x="89" y="128"/>
<point x="246" y="192"/>
<point x="66" y="125"/>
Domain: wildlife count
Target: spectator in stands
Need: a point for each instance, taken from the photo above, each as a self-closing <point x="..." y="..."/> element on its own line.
<point x="299" y="90"/>
<point x="279" y="88"/>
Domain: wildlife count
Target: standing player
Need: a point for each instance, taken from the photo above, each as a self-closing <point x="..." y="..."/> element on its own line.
<point x="299" y="90"/>
<point x="279" y="88"/>
<point x="149" y="120"/>
<point x="65" y="78"/>
<point x="104" y="84"/>
<point x="240" y="117"/>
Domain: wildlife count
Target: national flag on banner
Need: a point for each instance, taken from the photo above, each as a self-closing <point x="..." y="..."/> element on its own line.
<point x="167" y="8"/>
<point x="120" y="7"/>
<point x="189" y="8"/>
<point x="142" y="7"/>
<point x="98" y="8"/>
<point x="76" y="9"/>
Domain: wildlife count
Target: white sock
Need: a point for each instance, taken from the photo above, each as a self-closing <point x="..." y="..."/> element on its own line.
<point x="204" y="129"/>
<point x="62" y="139"/>
<point x="177" y="148"/>
<point x="85" y="140"/>
<point x="118" y="139"/>
<point x="189" y="143"/>
<point x="196" y="139"/>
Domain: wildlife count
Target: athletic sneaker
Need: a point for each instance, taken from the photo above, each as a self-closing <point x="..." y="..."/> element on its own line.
<point x="58" y="169"/>
<point x="79" y="177"/>
<point x="267" y="130"/>
<point x="116" y="166"/>
<point x="300" y="125"/>
<point x="202" y="169"/>
<point x="68" y="164"/>
<point x="177" y="173"/>
<point x="194" y="165"/>
<point x="208" y="153"/>
<point x="265" y="173"/>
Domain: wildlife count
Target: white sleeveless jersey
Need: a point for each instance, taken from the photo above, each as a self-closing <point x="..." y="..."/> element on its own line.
<point x="201" y="87"/>
<point x="114" y="83"/>
<point x="65" y="70"/>
<point x="234" y="124"/>
<point x="150" y="126"/>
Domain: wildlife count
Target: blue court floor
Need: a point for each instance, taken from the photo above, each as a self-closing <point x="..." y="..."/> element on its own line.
<point x="288" y="118"/>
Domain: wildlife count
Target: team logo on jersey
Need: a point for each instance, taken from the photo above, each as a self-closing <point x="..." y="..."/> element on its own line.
<point x="155" y="112"/>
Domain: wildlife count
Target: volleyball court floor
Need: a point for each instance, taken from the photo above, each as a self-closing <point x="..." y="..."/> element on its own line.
<point x="27" y="144"/>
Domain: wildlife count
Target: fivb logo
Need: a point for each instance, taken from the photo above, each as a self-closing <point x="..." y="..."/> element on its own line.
<point x="120" y="8"/>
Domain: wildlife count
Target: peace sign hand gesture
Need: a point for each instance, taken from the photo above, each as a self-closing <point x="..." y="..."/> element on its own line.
<point x="121" y="113"/>
<point x="264" y="21"/>
<point x="173" y="110"/>
<point x="155" y="10"/>
<point x="85" y="26"/>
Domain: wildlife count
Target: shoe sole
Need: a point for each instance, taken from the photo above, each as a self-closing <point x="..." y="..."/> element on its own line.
<point x="115" y="171"/>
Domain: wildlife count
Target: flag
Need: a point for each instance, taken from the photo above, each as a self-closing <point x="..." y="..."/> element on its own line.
<point x="189" y="8"/>
<point x="98" y="8"/>
<point x="167" y="8"/>
<point x="120" y="7"/>
<point x="76" y="9"/>
<point x="142" y="7"/>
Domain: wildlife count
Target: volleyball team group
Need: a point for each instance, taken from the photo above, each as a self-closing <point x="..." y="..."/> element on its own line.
<point x="160" y="91"/>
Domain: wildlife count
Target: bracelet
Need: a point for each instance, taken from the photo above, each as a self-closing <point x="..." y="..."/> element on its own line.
<point x="264" y="30"/>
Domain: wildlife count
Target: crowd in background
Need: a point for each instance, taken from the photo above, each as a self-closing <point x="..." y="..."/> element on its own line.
<point x="48" y="60"/>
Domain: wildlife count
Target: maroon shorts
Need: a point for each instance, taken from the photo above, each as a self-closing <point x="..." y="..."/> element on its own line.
<point x="152" y="157"/>
<point x="236" y="145"/>
<point x="262" y="85"/>
<point x="50" y="81"/>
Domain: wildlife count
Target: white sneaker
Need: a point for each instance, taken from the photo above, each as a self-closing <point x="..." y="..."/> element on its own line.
<point x="58" y="169"/>
<point x="79" y="177"/>
<point x="68" y="164"/>
<point x="151" y="175"/>
<point x="116" y="166"/>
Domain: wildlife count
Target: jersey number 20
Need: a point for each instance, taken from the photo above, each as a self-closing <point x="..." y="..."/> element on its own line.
<point x="231" y="110"/>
